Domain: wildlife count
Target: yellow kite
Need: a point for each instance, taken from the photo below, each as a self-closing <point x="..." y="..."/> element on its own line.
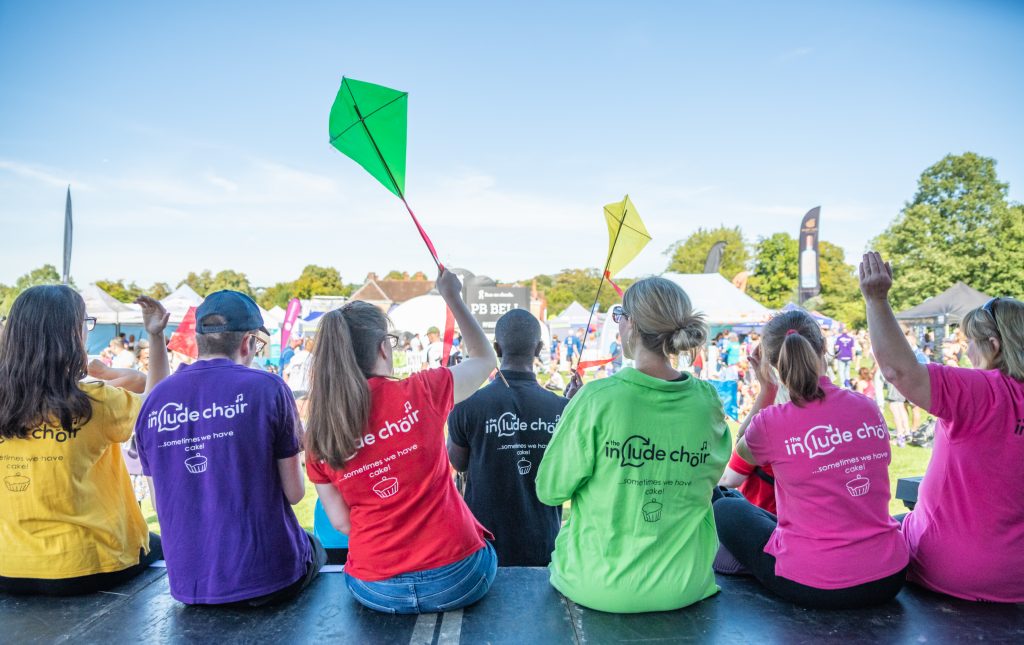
<point x="627" y="235"/>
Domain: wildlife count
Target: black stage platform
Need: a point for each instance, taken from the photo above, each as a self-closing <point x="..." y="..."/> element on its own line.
<point x="520" y="608"/>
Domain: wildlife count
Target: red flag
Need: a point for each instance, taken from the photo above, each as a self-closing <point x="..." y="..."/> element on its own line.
<point x="184" y="339"/>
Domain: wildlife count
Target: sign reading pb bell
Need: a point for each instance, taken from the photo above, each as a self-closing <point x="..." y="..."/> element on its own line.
<point x="487" y="304"/>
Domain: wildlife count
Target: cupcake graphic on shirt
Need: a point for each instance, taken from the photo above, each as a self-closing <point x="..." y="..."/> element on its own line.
<point x="17" y="483"/>
<point x="524" y="466"/>
<point x="652" y="511"/>
<point x="196" y="464"/>
<point x="386" y="487"/>
<point x="858" y="486"/>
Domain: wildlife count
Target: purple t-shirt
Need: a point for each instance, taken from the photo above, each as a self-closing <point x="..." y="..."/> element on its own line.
<point x="844" y="347"/>
<point x="210" y="436"/>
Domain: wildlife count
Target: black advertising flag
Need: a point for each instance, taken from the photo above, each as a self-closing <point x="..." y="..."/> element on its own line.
<point x="810" y="282"/>
<point x="714" y="260"/>
<point x="66" y="274"/>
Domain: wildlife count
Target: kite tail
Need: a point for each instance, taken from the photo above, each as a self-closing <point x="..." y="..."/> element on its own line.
<point x="583" y="365"/>
<point x="423" y="234"/>
<point x="608" y="277"/>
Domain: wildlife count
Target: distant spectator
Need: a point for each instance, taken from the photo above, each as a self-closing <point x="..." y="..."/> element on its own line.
<point x="121" y="356"/>
<point x="433" y="354"/>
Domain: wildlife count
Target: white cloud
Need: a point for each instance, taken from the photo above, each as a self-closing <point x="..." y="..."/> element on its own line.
<point x="793" y="54"/>
<point x="41" y="174"/>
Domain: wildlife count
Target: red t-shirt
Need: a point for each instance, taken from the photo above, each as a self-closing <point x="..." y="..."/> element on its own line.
<point x="757" y="491"/>
<point x="405" y="511"/>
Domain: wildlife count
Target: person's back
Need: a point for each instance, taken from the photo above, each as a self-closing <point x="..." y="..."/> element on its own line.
<point x="69" y="523"/>
<point x="967" y="530"/>
<point x="638" y="454"/>
<point x="213" y="437"/>
<point x="499" y="436"/>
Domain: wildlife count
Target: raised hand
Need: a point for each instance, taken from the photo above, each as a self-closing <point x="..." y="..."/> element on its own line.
<point x="448" y="285"/>
<point x="575" y="383"/>
<point x="762" y="370"/>
<point x="875" y="277"/>
<point x="154" y="316"/>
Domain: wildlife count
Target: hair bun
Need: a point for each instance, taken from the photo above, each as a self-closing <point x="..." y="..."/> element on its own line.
<point x="692" y="334"/>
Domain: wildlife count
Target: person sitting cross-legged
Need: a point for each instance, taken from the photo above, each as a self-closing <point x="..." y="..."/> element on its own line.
<point x="220" y="442"/>
<point x="499" y="436"/>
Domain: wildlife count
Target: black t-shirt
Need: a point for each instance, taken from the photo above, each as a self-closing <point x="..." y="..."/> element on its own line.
<point x="507" y="430"/>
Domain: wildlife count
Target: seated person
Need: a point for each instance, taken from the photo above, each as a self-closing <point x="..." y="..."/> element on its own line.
<point x="638" y="454"/>
<point x="376" y="452"/>
<point x="220" y="443"/>
<point x="757" y="484"/>
<point x="483" y="432"/>
<point x="833" y="544"/>
<point x="966" y="532"/>
<point x="68" y="516"/>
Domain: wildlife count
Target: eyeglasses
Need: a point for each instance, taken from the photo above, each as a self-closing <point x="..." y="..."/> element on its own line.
<point x="259" y="344"/>
<point x="392" y="340"/>
<point x="90" y="323"/>
<point x="618" y="313"/>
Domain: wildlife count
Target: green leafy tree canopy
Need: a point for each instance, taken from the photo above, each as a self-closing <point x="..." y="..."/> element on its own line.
<point x="687" y="256"/>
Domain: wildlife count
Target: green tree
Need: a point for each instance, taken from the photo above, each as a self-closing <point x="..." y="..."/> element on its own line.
<point x="159" y="291"/>
<point x="277" y="295"/>
<point x="580" y="285"/>
<point x="46" y="274"/>
<point x="228" y="279"/>
<point x="687" y="256"/>
<point x="200" y="282"/>
<point x="119" y="290"/>
<point x="774" y="279"/>
<point x="319" y="281"/>
<point x="959" y="226"/>
<point x="395" y="274"/>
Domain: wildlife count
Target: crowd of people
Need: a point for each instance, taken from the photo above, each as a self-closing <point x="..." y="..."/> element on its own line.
<point x="644" y="458"/>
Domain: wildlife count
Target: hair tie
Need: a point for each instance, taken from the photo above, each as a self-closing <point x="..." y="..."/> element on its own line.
<point x="790" y="332"/>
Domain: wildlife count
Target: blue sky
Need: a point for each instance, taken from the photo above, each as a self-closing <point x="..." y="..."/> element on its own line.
<point x="196" y="136"/>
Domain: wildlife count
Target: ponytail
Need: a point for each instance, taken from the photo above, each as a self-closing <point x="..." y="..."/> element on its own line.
<point x="339" y="394"/>
<point x="794" y="345"/>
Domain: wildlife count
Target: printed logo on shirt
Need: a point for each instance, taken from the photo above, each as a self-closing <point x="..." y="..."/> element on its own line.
<point x="824" y="439"/>
<point x="172" y="416"/>
<point x="60" y="435"/>
<point x="508" y="424"/>
<point x="391" y="428"/>
<point x="638" y="450"/>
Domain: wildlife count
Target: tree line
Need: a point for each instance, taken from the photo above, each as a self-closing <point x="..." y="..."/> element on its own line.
<point x="958" y="226"/>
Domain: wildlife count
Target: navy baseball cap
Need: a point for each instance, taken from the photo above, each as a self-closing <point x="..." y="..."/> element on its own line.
<point x="239" y="311"/>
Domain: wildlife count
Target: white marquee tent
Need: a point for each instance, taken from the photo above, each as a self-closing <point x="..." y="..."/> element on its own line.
<point x="721" y="302"/>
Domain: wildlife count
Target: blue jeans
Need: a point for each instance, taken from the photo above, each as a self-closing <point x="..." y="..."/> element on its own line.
<point x="452" y="586"/>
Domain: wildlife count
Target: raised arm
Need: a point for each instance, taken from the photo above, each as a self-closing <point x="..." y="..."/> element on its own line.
<point x="155" y="318"/>
<point x="892" y="351"/>
<point x="765" y="398"/>
<point x="480" y="358"/>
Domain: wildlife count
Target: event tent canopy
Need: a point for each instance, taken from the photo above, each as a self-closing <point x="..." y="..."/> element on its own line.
<point x="819" y="318"/>
<point x="719" y="300"/>
<point x="950" y="306"/>
<point x="575" y="315"/>
<point x="179" y="301"/>
<point x="418" y="314"/>
<point x="108" y="310"/>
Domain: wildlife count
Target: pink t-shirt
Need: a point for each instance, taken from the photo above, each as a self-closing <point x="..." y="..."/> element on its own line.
<point x="831" y="464"/>
<point x="966" y="534"/>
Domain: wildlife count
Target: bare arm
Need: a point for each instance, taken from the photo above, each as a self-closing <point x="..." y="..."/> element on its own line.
<point x="765" y="398"/>
<point x="335" y="507"/>
<point x="731" y="478"/>
<point x="152" y="494"/>
<point x="292" y="481"/>
<point x="122" y="377"/>
<point x="892" y="351"/>
<point x="155" y="319"/>
<point x="458" y="456"/>
<point x="481" y="359"/>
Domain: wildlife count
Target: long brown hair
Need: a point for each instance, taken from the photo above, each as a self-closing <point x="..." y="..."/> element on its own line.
<point x="794" y="345"/>
<point x="339" y="396"/>
<point x="42" y="359"/>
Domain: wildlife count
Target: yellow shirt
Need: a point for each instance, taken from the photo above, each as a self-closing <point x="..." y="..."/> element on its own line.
<point x="66" y="503"/>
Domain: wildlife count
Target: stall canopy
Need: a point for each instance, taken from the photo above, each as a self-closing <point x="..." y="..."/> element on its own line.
<point x="575" y="315"/>
<point x="178" y="302"/>
<point x="949" y="307"/>
<point x="418" y="314"/>
<point x="721" y="302"/>
<point x="108" y="310"/>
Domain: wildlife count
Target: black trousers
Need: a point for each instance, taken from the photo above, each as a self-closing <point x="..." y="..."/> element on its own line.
<point x="744" y="530"/>
<point x="85" y="584"/>
<point x="319" y="559"/>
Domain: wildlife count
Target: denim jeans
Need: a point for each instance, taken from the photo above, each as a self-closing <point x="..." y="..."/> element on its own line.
<point x="445" y="588"/>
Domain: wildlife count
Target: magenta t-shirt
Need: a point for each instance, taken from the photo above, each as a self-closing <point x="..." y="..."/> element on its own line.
<point x="966" y="534"/>
<point x="831" y="463"/>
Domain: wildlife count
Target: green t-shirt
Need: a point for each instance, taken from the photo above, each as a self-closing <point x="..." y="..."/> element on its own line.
<point x="638" y="457"/>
